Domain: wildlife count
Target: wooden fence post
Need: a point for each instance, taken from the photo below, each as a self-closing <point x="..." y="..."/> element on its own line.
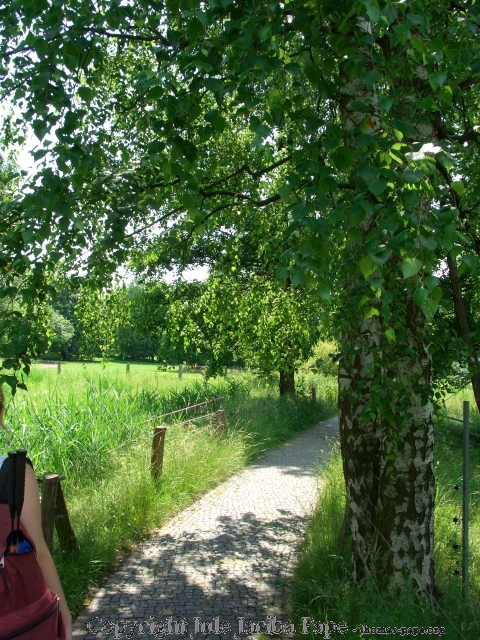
<point x="180" y="370"/>
<point x="158" y="447"/>
<point x="128" y="368"/>
<point x="59" y="367"/>
<point x="221" y="421"/>
<point x="62" y="523"/>
<point x="314" y="394"/>
<point x="50" y="485"/>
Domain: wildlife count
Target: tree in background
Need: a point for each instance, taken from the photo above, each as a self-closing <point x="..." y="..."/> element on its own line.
<point x="63" y="332"/>
<point x="245" y="317"/>
<point x="153" y="316"/>
<point x="99" y="316"/>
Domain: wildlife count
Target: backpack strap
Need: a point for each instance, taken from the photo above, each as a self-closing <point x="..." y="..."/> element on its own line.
<point x="3" y="480"/>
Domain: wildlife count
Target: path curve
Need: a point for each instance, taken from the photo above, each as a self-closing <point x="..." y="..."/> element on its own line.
<point x="228" y="556"/>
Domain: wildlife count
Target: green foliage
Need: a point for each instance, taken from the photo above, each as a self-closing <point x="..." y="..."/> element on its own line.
<point x="269" y="326"/>
<point x="323" y="358"/>
<point x="233" y="131"/>
<point x="99" y="316"/>
<point x="452" y="366"/>
<point x="151" y="318"/>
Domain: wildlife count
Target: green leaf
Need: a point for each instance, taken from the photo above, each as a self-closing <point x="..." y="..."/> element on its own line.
<point x="470" y="260"/>
<point x="219" y="124"/>
<point x="448" y="214"/>
<point x="430" y="308"/>
<point x="155" y="149"/>
<point x="459" y="187"/>
<point x="85" y="93"/>
<point x="426" y="104"/>
<point x="342" y="158"/>
<point x="390" y="335"/>
<point x="446" y="94"/>
<point x="418" y="44"/>
<point x="431" y="282"/>
<point x="275" y="97"/>
<point x="410" y="198"/>
<point x="195" y="30"/>
<point x="363" y="301"/>
<point x="413" y="176"/>
<point x="358" y="105"/>
<point x="285" y="192"/>
<point x="297" y="277"/>
<point x="370" y="312"/>
<point x="367" y="266"/>
<point x="380" y="257"/>
<point x="401" y="32"/>
<point x="436" y="294"/>
<point x="355" y="235"/>
<point x="213" y="84"/>
<point x="450" y="235"/>
<point x="385" y="103"/>
<point x="300" y="211"/>
<point x="377" y="186"/>
<point x="437" y="79"/>
<point x="428" y="243"/>
<point x="211" y="115"/>
<point x="373" y="10"/>
<point x="411" y="266"/>
<point x="324" y="293"/>
<point x="371" y="77"/>
<point x="155" y="93"/>
<point x="28" y="236"/>
<point x="420" y="296"/>
<point x="389" y="13"/>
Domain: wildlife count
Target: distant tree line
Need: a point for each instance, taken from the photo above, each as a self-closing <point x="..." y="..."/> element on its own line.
<point x="130" y="322"/>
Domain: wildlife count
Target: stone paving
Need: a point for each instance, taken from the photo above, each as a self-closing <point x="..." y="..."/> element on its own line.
<point x="225" y="562"/>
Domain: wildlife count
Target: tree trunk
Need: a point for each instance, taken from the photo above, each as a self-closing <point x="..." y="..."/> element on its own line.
<point x="386" y="432"/>
<point x="385" y="413"/>
<point x="287" y="382"/>
<point x="464" y="326"/>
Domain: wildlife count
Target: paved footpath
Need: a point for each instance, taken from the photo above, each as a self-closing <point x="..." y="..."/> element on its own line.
<point x="229" y="556"/>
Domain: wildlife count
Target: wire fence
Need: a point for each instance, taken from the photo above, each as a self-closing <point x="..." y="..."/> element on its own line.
<point x="467" y="438"/>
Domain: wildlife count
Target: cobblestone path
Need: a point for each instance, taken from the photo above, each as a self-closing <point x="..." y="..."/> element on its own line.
<point x="229" y="556"/>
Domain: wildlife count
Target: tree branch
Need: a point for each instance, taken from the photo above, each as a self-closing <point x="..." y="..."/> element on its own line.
<point x="128" y="36"/>
<point x="241" y="196"/>
<point x="469" y="82"/>
<point x="254" y="174"/>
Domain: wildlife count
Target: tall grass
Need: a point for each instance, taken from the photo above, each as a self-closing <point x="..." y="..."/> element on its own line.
<point x="96" y="430"/>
